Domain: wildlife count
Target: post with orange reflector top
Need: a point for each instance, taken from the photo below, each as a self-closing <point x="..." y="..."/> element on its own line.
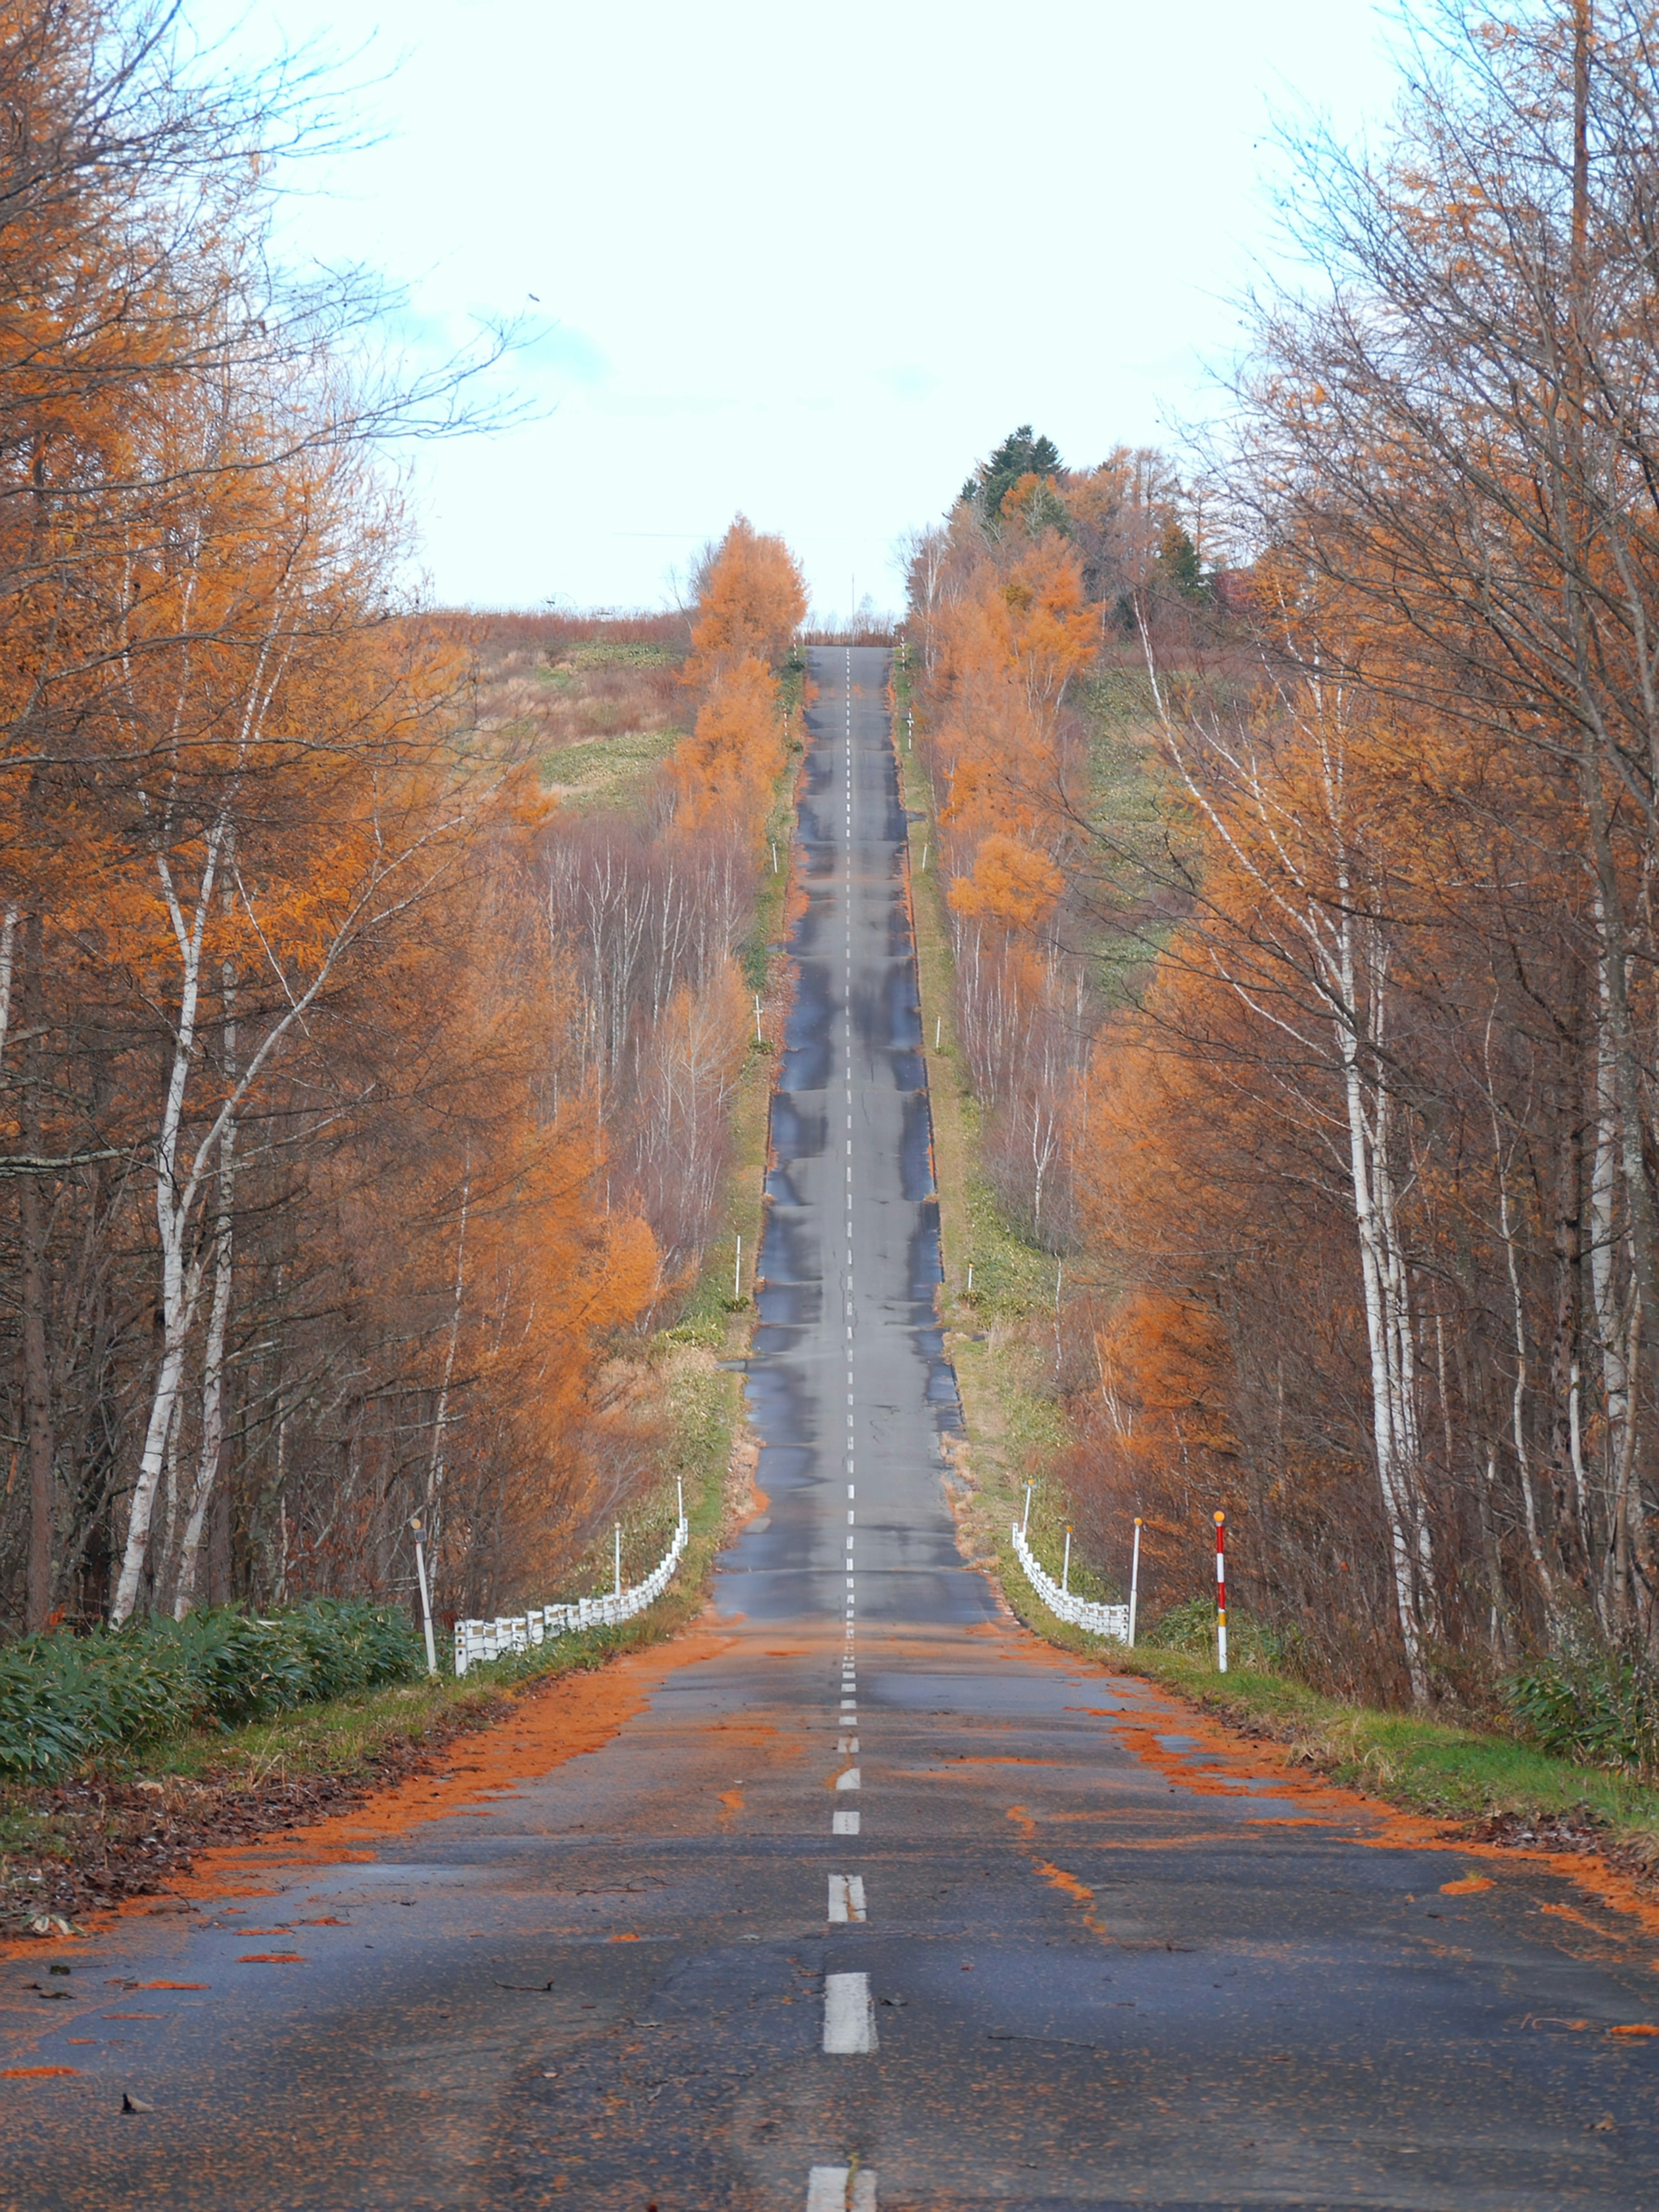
<point x="1221" y="1592"/>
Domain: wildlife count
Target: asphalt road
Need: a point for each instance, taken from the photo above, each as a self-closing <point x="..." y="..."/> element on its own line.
<point x="879" y="1901"/>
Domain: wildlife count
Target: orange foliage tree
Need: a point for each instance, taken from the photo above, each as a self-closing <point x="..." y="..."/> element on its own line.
<point x="750" y="602"/>
<point x="1390" y="1095"/>
<point x="722" y="776"/>
<point x="299" y="1234"/>
<point x="1002" y="611"/>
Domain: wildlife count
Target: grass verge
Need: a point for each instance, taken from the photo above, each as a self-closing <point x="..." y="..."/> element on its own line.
<point x="1463" y="1775"/>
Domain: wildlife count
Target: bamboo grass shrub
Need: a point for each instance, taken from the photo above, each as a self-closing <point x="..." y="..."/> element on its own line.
<point x="1591" y="1700"/>
<point x="66" y="1697"/>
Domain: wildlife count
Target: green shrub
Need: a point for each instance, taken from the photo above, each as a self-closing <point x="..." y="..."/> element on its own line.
<point x="64" y="1697"/>
<point x="1591" y="1701"/>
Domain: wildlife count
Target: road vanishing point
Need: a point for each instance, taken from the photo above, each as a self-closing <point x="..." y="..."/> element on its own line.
<point x="874" y="1899"/>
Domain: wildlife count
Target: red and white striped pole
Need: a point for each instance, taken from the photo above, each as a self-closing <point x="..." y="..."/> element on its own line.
<point x="1221" y="1592"/>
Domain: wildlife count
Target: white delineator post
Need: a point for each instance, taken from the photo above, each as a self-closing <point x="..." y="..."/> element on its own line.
<point x="1025" y="1523"/>
<point x="426" y="1597"/>
<point x="618" y="1592"/>
<point x="1066" y="1565"/>
<point x="1134" y="1583"/>
<point x="737" y="1270"/>
<point x="1221" y="1592"/>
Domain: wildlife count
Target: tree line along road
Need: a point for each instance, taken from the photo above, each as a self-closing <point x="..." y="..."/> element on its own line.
<point x="876" y="1899"/>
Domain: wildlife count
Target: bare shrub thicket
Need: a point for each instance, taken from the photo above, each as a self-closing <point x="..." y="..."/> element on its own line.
<point x="648" y="927"/>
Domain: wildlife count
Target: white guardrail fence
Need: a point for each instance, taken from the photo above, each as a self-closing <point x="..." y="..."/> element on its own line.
<point x="479" y="1640"/>
<point x="1081" y="1612"/>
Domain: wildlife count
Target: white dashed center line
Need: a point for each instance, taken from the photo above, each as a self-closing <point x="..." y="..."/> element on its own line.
<point x="844" y="1824"/>
<point x="849" y="1780"/>
<point x="838" y="2189"/>
<point x="849" y="2020"/>
<point x="846" y="1897"/>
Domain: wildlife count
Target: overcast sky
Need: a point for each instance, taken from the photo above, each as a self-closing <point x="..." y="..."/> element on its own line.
<point x="806" y="263"/>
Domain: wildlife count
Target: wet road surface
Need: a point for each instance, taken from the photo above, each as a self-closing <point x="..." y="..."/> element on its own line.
<point x="876" y="1900"/>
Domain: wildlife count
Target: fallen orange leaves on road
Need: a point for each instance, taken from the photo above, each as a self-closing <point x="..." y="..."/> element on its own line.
<point x="551" y="1724"/>
<point x="1061" y="1880"/>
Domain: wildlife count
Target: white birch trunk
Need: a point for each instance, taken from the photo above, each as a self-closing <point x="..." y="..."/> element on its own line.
<point x="8" y="957"/>
<point x="435" y="1473"/>
<point x="174" y="1206"/>
<point x="213" y="1358"/>
<point x="1610" y="1324"/>
<point x="1518" y="1396"/>
<point x="1388" y="1320"/>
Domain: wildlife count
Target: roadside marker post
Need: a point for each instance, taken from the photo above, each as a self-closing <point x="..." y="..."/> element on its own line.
<point x="1221" y="1593"/>
<point x="736" y="1269"/>
<point x="619" y="1588"/>
<point x="1066" y="1566"/>
<point x="1134" y="1583"/>
<point x="1025" y="1526"/>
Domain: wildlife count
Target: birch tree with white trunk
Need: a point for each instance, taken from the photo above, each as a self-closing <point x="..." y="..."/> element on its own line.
<point x="1313" y="966"/>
